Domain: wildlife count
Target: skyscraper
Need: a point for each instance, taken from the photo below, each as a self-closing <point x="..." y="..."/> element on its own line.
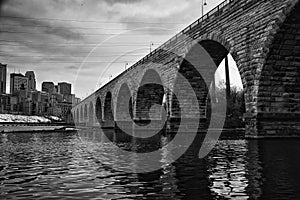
<point x="18" y="82"/>
<point x="3" y="71"/>
<point x="48" y="87"/>
<point x="31" y="80"/>
<point x="64" y="88"/>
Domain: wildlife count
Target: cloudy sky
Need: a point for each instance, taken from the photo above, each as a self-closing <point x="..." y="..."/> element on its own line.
<point x="88" y="42"/>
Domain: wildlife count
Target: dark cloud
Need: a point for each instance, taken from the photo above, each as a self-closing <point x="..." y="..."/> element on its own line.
<point x="42" y="44"/>
<point x="19" y="23"/>
<point x="72" y="67"/>
<point x="64" y="33"/>
<point x="2" y="2"/>
<point x="33" y="36"/>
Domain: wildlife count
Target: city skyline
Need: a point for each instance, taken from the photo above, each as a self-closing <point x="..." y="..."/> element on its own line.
<point x="25" y="98"/>
<point x="59" y="45"/>
<point x="38" y="87"/>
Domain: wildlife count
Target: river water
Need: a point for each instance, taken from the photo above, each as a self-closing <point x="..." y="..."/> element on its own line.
<point x="63" y="166"/>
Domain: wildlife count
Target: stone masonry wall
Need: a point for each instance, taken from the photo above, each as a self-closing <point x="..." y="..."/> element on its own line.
<point x="246" y="28"/>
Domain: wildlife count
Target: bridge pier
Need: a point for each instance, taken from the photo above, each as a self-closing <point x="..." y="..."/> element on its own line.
<point x="124" y="125"/>
<point x="108" y="124"/>
<point x="272" y="125"/>
<point x="187" y="124"/>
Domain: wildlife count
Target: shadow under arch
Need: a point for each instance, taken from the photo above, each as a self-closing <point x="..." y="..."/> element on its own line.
<point x="128" y="129"/>
<point x="278" y="98"/>
<point x="81" y="114"/>
<point x="235" y="99"/>
<point x="108" y="111"/>
<point x="98" y="109"/>
<point x="199" y="74"/>
<point x="85" y="114"/>
<point x="77" y="115"/>
<point x="198" y="68"/>
<point x="149" y="99"/>
<point x="124" y="110"/>
<point x="124" y="115"/>
<point x="91" y="114"/>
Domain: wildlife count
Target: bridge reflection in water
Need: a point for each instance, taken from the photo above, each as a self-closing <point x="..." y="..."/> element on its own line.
<point x="65" y="165"/>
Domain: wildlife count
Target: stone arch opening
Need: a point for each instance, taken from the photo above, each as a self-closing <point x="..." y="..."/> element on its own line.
<point x="235" y="99"/>
<point x="91" y="113"/>
<point x="108" y="108"/>
<point x="124" y="111"/>
<point x="278" y="100"/>
<point x="99" y="110"/>
<point x="77" y="116"/>
<point x="198" y="68"/>
<point x="85" y="112"/>
<point x="69" y="117"/>
<point x="149" y="98"/>
<point x="81" y="114"/>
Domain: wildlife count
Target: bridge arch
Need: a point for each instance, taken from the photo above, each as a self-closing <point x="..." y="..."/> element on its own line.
<point x="99" y="110"/>
<point x="77" y="115"/>
<point x="108" y="108"/>
<point x="81" y="114"/>
<point x="218" y="39"/>
<point x="85" y="113"/>
<point x="149" y="97"/>
<point x="278" y="100"/>
<point x="199" y="67"/>
<point x="124" y="110"/>
<point x="91" y="113"/>
<point x="213" y="42"/>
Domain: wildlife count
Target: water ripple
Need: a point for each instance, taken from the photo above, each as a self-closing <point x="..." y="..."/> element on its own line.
<point x="61" y="166"/>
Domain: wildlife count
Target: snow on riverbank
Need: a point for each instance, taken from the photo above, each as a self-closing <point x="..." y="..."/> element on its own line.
<point x="26" y="119"/>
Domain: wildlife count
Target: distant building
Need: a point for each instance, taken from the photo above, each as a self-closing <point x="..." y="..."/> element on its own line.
<point x="64" y="88"/>
<point x="31" y="80"/>
<point x="55" y="100"/>
<point x="40" y="103"/>
<point x="56" y="89"/>
<point x="5" y="103"/>
<point x="69" y="98"/>
<point x="3" y="71"/>
<point x="48" y="87"/>
<point x="8" y="103"/>
<point x="76" y="101"/>
<point x="55" y="111"/>
<point x="65" y="108"/>
<point x="18" y="81"/>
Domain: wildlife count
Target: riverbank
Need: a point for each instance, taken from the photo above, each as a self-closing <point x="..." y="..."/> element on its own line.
<point x="9" y="127"/>
<point x="34" y="127"/>
<point x="10" y="123"/>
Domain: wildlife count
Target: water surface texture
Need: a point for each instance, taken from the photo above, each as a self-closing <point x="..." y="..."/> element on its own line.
<point x="63" y="166"/>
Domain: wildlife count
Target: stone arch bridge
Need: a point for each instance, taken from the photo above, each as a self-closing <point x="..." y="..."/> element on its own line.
<point x="263" y="36"/>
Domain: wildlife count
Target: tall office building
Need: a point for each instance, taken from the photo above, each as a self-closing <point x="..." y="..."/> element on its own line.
<point x="31" y="80"/>
<point x="56" y="89"/>
<point x="3" y="71"/>
<point x="64" y="88"/>
<point x="18" y="82"/>
<point x="48" y="87"/>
